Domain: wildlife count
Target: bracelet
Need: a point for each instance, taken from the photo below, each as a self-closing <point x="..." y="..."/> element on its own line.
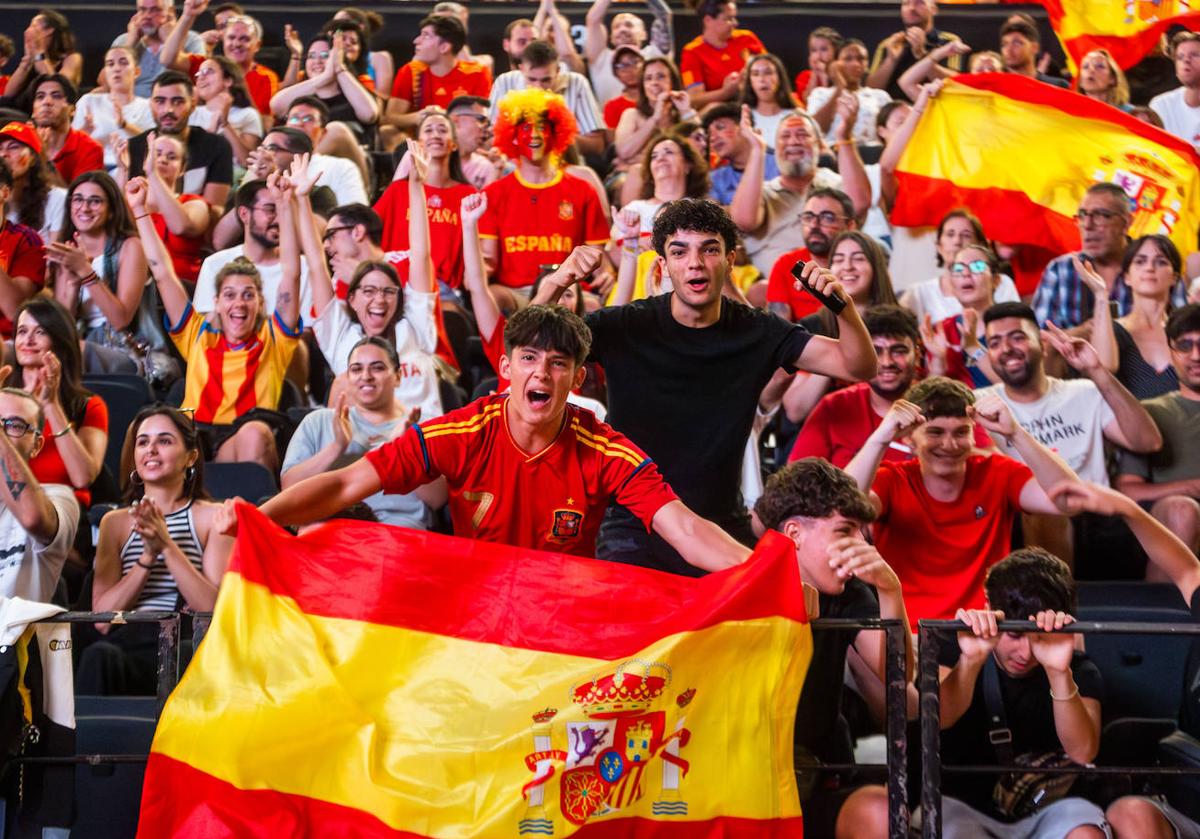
<point x="1074" y="693"/>
<point x="295" y="57"/>
<point x="837" y="144"/>
<point x="137" y="218"/>
<point x="70" y="427"/>
<point x="89" y="279"/>
<point x="150" y="567"/>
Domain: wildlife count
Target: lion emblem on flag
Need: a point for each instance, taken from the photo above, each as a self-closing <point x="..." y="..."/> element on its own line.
<point x="606" y="761"/>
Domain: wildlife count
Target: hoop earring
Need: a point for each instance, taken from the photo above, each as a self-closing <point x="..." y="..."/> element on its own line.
<point x="134" y="478"/>
<point x="189" y="479"/>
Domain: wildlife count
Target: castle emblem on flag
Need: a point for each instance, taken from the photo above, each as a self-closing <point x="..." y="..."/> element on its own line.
<point x="606" y="757"/>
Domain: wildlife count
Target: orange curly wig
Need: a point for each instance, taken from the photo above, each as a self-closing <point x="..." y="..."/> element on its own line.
<point x="528" y="105"/>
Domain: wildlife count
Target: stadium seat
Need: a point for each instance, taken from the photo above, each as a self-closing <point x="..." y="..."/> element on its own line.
<point x="453" y="396"/>
<point x="124" y="396"/>
<point x="458" y="332"/>
<point x="1139" y="595"/>
<point x="107" y="796"/>
<point x="485" y="387"/>
<point x="1143" y="674"/>
<point x="250" y="481"/>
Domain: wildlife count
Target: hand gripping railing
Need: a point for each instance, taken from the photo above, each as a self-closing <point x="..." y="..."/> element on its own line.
<point x="929" y="637"/>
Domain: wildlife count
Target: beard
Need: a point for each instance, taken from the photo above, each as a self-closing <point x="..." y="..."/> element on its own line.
<point x="261" y="237"/>
<point x="893" y="393"/>
<point x="801" y="168"/>
<point x="1017" y="378"/>
<point x="818" y="243"/>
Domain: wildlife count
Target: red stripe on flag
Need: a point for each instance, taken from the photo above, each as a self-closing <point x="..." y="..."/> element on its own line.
<point x="1032" y="91"/>
<point x="514" y="597"/>
<point x="1007" y="215"/>
<point x="219" y="809"/>
<point x="213" y="391"/>
<point x="247" y="396"/>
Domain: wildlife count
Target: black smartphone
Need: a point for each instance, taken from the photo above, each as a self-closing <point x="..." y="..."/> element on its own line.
<point x="831" y="302"/>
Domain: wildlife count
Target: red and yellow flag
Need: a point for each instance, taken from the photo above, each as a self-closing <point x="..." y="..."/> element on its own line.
<point x="1128" y="29"/>
<point x="371" y="681"/>
<point x="1019" y="154"/>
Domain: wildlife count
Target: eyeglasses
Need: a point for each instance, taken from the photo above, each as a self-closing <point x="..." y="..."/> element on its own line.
<point x="975" y="266"/>
<point x="265" y="209"/>
<point x="323" y="54"/>
<point x="298" y="119"/>
<point x="275" y="148"/>
<point x="827" y="218"/>
<point x="479" y="118"/>
<point x="626" y="65"/>
<point x="93" y="202"/>
<point x="1185" y="346"/>
<point x="371" y="292"/>
<point x="16" y="427"/>
<point x="330" y="232"/>
<point x="1098" y="216"/>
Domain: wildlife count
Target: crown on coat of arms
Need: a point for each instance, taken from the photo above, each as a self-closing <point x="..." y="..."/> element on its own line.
<point x="630" y="689"/>
<point x="545" y="715"/>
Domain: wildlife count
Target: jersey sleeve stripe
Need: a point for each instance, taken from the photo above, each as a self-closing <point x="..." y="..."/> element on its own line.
<point x="631" y="476"/>
<point x="607" y="452"/>
<point x="424" y="450"/>
<point x="636" y="455"/>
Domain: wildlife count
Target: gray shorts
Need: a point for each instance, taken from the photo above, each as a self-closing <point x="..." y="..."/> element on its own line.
<point x="961" y="821"/>
<point x="1185" y="828"/>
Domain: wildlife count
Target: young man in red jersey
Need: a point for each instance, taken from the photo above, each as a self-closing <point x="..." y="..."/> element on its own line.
<point x="711" y="63"/>
<point x="523" y="468"/>
<point x="539" y="213"/>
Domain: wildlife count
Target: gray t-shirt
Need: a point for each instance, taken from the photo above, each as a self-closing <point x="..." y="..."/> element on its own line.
<point x="1177" y="417"/>
<point x="148" y="62"/>
<point x="316" y="432"/>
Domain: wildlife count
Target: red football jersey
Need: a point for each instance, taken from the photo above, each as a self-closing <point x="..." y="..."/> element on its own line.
<point x="21" y="255"/>
<point x="421" y="88"/>
<point x="702" y="63"/>
<point x="549" y="501"/>
<point x="445" y="231"/>
<point x="941" y="550"/>
<point x="781" y="285"/>
<point x="540" y="224"/>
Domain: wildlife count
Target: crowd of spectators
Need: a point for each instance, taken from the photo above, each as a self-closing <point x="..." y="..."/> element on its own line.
<point x="352" y="269"/>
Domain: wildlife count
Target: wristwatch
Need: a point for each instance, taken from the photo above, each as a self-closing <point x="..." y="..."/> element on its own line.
<point x="41" y="56"/>
<point x="976" y="355"/>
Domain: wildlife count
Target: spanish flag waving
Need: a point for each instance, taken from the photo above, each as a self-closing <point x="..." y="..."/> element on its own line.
<point x="1019" y="154"/>
<point x="1128" y="29"/>
<point x="371" y="681"/>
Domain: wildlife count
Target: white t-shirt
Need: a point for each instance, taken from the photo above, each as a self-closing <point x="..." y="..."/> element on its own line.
<point x="52" y="221"/>
<point x="647" y="209"/>
<point x="316" y="432"/>
<point x="914" y="255"/>
<point x="243" y="120"/>
<point x="28" y="567"/>
<point x="1069" y="420"/>
<point x="927" y="298"/>
<point x="342" y="176"/>
<point x="272" y="275"/>
<point x="870" y="101"/>
<point x="769" y="125"/>
<point x="415" y="342"/>
<point x="1178" y="117"/>
<point x="104" y="120"/>
<point x="604" y="81"/>
<point x="876" y="225"/>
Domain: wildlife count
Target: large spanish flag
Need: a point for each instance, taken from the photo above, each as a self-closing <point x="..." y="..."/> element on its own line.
<point x="1128" y="29"/>
<point x="371" y="681"/>
<point x="1020" y="154"/>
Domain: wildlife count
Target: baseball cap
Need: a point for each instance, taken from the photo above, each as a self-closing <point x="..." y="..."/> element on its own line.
<point x="23" y="132"/>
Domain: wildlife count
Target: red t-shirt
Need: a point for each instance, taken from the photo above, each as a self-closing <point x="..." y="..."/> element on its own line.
<point x="445" y="231"/>
<point x="262" y="83"/>
<point x="550" y="501"/>
<point x="540" y="224"/>
<point x="419" y="87"/>
<point x="702" y="63"/>
<point x="843" y="420"/>
<point x="941" y="550"/>
<point x="79" y="154"/>
<point x="781" y="285"/>
<point x="48" y="467"/>
<point x="616" y="106"/>
<point x="801" y="85"/>
<point x="187" y="252"/>
<point x="22" y="254"/>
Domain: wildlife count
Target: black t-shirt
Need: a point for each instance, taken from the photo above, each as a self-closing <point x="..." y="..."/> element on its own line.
<point x="688" y="396"/>
<point x="821" y="698"/>
<point x="209" y="159"/>
<point x="1030" y="713"/>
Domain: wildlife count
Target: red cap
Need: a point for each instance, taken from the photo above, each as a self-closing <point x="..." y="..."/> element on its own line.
<point x="23" y="132"/>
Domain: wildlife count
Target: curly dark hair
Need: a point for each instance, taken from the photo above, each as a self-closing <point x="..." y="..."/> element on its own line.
<point x="553" y="328"/>
<point x="697" y="215"/>
<point x="696" y="183"/>
<point x="939" y="396"/>
<point x="1029" y="581"/>
<point x="812" y="488"/>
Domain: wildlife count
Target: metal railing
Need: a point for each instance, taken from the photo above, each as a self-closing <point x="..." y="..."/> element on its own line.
<point x="930" y="635"/>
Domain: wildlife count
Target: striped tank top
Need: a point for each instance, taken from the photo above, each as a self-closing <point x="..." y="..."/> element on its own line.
<point x="160" y="592"/>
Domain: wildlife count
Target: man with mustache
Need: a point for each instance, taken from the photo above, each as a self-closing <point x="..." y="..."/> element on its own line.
<point x="844" y="419"/>
<point x="768" y="214"/>
<point x="827" y="212"/>
<point x="1073" y="417"/>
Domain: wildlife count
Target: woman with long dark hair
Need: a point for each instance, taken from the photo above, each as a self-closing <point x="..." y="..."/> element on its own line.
<point x="99" y="269"/>
<point x="48" y="363"/>
<point x="37" y="199"/>
<point x="330" y="78"/>
<point x="225" y="106"/>
<point x="116" y="113"/>
<point x="161" y="552"/>
<point x="49" y="49"/>
<point x="766" y="89"/>
<point x="662" y="102"/>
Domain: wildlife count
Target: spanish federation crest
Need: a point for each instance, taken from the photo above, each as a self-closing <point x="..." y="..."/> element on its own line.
<point x="606" y="761"/>
<point x="566" y="210"/>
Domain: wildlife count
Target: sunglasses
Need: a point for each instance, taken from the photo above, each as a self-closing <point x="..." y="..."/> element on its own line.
<point x="975" y="266"/>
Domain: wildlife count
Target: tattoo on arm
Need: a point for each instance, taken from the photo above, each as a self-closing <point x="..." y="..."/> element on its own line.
<point x="284" y="297"/>
<point x="14" y="487"/>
